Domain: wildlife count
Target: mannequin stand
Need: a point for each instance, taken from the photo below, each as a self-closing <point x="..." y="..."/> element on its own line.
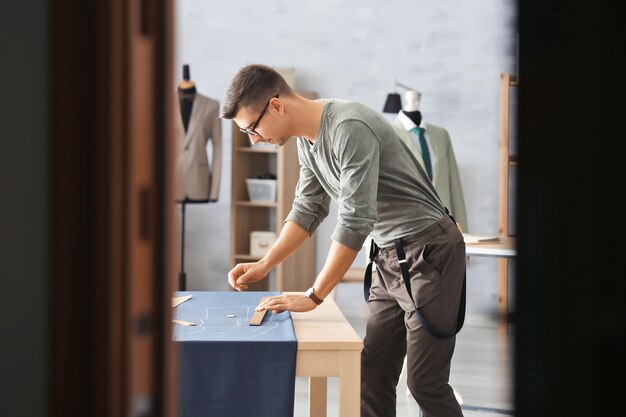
<point x="182" y="275"/>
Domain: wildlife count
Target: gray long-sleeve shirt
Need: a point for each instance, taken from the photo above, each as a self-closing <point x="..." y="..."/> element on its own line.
<point x="359" y="161"/>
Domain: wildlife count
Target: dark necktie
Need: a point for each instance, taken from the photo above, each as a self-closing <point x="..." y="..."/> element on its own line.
<point x="419" y="132"/>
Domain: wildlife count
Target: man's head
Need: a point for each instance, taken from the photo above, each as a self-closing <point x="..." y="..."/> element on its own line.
<point x="254" y="94"/>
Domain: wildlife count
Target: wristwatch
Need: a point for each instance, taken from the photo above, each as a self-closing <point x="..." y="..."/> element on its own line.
<point x="310" y="293"/>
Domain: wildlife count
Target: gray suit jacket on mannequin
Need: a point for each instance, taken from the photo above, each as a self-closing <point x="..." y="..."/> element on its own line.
<point x="446" y="177"/>
<point x="196" y="179"/>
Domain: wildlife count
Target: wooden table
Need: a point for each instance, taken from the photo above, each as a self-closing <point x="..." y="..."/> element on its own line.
<point x="329" y="347"/>
<point x="505" y="249"/>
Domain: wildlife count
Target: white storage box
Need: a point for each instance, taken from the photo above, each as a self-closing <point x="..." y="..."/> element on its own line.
<point x="261" y="190"/>
<point x="261" y="242"/>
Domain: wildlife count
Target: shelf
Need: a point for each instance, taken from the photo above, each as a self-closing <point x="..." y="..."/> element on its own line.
<point x="297" y="272"/>
<point x="264" y="149"/>
<point x="246" y="257"/>
<point x="246" y="203"/>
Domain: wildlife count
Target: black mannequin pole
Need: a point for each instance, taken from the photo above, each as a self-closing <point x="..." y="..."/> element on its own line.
<point x="182" y="276"/>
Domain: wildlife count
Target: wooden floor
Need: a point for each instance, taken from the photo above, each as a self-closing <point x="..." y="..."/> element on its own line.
<point x="481" y="367"/>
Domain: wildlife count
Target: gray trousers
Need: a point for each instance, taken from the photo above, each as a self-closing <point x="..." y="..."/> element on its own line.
<point x="436" y="260"/>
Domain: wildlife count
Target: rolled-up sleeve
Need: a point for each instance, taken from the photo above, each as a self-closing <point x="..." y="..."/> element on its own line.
<point x="357" y="150"/>
<point x="311" y="202"/>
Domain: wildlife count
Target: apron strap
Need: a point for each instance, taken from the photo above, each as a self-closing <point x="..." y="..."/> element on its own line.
<point x="407" y="283"/>
<point x="367" y="283"/>
<point x="367" y="280"/>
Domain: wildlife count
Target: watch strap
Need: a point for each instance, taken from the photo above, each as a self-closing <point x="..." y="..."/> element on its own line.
<point x="311" y="294"/>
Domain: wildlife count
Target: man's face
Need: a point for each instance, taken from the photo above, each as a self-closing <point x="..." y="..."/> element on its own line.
<point x="266" y="125"/>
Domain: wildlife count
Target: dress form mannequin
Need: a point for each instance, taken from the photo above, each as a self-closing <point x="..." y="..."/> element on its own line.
<point x="199" y="126"/>
<point x="411" y="110"/>
<point x="446" y="177"/>
<point x="198" y="175"/>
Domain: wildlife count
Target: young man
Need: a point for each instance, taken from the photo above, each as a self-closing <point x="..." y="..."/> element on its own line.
<point x="350" y="153"/>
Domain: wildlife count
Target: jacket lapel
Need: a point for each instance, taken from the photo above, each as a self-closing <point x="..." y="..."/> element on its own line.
<point x="193" y="120"/>
<point x="409" y="140"/>
<point x="438" y="144"/>
<point x="180" y="130"/>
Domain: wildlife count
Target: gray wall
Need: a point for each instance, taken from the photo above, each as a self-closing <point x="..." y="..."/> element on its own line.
<point x="451" y="51"/>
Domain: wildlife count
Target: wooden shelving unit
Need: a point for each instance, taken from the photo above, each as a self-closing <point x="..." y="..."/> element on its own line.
<point x="507" y="161"/>
<point x="298" y="272"/>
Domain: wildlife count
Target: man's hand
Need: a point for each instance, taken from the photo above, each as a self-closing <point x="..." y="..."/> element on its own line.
<point x="243" y="274"/>
<point x="289" y="302"/>
<point x="290" y="239"/>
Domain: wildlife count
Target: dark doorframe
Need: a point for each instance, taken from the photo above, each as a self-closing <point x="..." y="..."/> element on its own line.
<point x="571" y="327"/>
<point x="112" y="226"/>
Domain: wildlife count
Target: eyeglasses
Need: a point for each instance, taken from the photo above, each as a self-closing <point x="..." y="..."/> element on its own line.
<point x="250" y="130"/>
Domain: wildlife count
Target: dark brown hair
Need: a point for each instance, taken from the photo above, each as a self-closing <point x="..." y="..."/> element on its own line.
<point x="252" y="86"/>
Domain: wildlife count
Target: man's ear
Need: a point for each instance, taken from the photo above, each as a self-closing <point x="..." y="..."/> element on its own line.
<point x="278" y="105"/>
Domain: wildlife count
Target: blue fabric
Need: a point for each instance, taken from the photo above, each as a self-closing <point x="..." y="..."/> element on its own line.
<point x="229" y="368"/>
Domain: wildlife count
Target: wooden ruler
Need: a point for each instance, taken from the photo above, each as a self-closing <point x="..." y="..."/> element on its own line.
<point x="176" y="301"/>
<point x="257" y="317"/>
<point x="183" y="322"/>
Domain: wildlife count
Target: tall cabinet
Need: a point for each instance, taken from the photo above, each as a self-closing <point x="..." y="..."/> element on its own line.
<point x="297" y="273"/>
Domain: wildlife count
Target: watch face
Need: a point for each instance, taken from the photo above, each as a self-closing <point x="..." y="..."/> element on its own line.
<point x="310" y="293"/>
